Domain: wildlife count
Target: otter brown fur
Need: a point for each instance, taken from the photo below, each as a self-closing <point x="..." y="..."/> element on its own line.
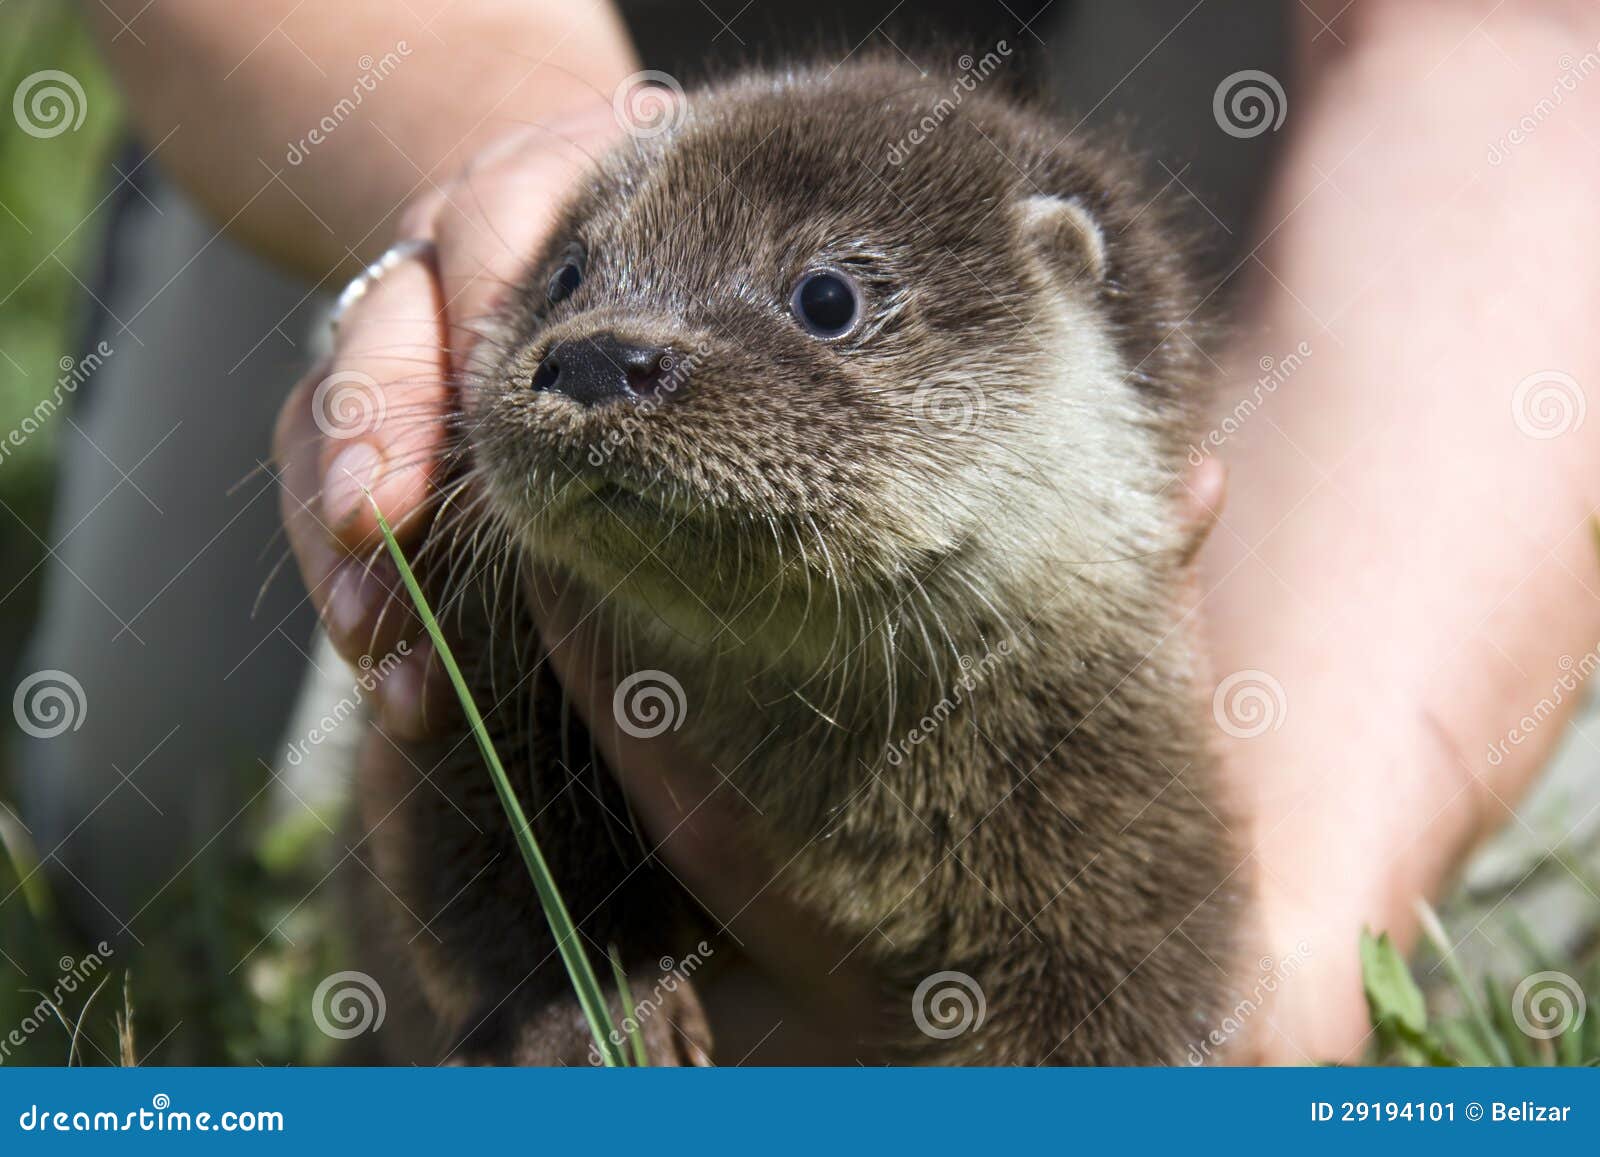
<point x="919" y="584"/>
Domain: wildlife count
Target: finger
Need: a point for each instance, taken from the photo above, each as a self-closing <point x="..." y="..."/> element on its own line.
<point x="492" y="222"/>
<point x="416" y="700"/>
<point x="296" y="447"/>
<point x="359" y="599"/>
<point x="382" y="406"/>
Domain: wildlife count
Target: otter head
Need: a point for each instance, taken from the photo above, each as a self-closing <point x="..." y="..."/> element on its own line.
<point x="808" y="348"/>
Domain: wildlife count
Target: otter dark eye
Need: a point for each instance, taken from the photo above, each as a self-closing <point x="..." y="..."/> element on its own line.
<point x="827" y="304"/>
<point x="566" y="279"/>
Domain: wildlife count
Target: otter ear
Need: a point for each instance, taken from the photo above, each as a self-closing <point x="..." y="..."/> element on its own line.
<point x="1067" y="237"/>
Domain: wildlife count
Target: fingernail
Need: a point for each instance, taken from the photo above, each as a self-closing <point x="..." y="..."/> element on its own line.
<point x="344" y="489"/>
<point x="346" y="608"/>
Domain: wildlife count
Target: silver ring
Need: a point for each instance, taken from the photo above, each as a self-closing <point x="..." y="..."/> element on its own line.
<point x="389" y="259"/>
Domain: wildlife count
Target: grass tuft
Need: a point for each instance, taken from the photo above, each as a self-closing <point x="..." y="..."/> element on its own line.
<point x="1498" y="1023"/>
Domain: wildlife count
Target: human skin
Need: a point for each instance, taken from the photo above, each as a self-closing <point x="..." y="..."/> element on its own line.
<point x="1396" y="553"/>
<point x="220" y="92"/>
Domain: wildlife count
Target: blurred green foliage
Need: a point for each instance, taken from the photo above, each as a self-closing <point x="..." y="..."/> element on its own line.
<point x="51" y="227"/>
<point x="50" y="230"/>
<point x="244" y="934"/>
<point x="245" y="937"/>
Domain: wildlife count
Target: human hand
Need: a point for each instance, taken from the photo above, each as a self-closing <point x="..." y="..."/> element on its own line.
<point x="1406" y="556"/>
<point x="371" y="420"/>
<point x="373" y="416"/>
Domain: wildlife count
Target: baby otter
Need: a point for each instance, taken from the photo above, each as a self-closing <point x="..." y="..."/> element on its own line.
<point x="875" y="451"/>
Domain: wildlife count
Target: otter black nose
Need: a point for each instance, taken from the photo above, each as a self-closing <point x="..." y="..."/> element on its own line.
<point x="600" y="369"/>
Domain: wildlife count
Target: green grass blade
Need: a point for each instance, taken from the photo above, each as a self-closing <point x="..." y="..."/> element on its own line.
<point x="1463" y="1042"/>
<point x="584" y="982"/>
<point x="1433" y="929"/>
<point x="630" y="1010"/>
